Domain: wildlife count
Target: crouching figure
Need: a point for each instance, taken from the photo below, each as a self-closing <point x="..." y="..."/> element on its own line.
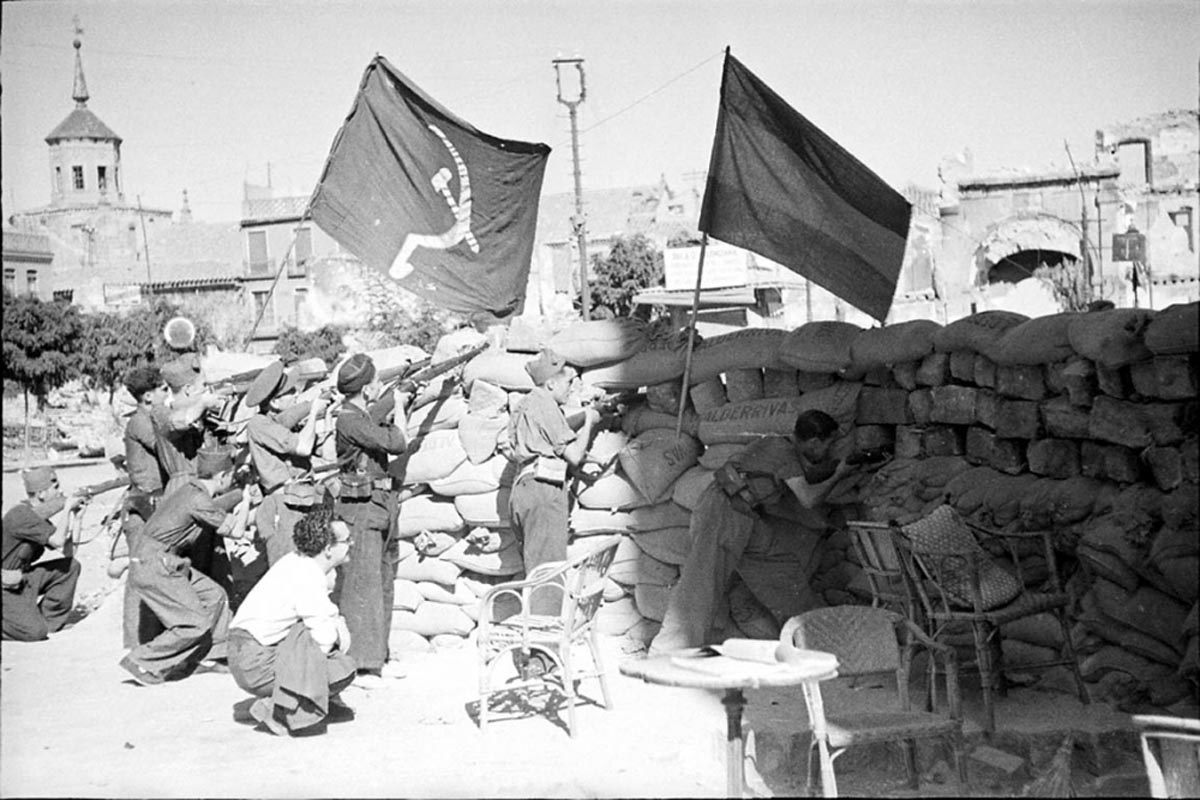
<point x="287" y="642"/>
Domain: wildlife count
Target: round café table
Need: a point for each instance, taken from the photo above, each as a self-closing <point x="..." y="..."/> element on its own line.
<point x="699" y="668"/>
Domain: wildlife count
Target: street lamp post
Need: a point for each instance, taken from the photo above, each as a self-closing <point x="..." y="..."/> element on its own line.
<point x="578" y="221"/>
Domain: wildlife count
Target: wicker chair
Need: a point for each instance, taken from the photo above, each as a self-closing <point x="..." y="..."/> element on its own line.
<point x="580" y="582"/>
<point x="867" y="641"/>
<point x="880" y="562"/>
<point x="949" y="568"/>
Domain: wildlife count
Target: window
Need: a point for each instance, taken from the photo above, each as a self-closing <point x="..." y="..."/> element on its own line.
<point x="102" y="178"/>
<point x="31" y="281"/>
<point x="256" y="246"/>
<point x="302" y="253"/>
<point x="77" y="177"/>
<point x="10" y="280"/>
<point x="64" y="295"/>
<point x="300" y="307"/>
<point x="1183" y="219"/>
<point x="264" y="309"/>
<point x="58" y="180"/>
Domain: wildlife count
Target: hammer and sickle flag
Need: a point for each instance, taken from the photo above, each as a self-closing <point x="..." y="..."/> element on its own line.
<point x="425" y="198"/>
<point x="782" y="188"/>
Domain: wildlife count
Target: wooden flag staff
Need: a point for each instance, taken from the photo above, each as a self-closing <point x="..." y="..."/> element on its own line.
<point x="687" y="363"/>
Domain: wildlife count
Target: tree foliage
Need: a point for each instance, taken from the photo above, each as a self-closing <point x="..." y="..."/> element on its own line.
<point x="633" y="264"/>
<point x="324" y="343"/>
<point x="40" y="343"/>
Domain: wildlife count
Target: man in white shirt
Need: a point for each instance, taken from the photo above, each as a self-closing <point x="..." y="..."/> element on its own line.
<point x="287" y="642"/>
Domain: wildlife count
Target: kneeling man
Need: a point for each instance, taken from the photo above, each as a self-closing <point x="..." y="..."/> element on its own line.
<point x="287" y="642"/>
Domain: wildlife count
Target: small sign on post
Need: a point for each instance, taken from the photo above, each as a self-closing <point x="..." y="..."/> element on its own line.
<point x="1129" y="246"/>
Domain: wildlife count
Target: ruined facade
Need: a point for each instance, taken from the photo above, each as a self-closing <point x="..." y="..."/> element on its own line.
<point x="996" y="230"/>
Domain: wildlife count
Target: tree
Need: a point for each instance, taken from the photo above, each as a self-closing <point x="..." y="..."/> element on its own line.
<point x="39" y="346"/>
<point x="631" y="266"/>
<point x="324" y="343"/>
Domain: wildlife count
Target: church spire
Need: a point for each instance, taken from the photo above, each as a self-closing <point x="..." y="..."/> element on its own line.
<point x="80" y="92"/>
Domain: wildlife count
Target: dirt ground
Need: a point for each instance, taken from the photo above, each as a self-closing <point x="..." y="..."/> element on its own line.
<point x="73" y="724"/>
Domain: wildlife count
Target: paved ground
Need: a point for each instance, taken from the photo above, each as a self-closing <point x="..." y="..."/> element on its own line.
<point x="74" y="725"/>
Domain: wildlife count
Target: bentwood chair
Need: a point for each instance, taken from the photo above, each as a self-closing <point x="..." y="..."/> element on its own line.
<point x="880" y="562"/>
<point x="950" y="569"/>
<point x="509" y="633"/>
<point x="870" y="641"/>
<point x="1171" y="750"/>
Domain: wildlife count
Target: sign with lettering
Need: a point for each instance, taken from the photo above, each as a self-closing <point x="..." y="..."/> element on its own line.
<point x="1130" y="246"/>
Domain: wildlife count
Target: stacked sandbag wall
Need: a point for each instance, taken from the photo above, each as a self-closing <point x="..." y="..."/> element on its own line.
<point x="1081" y="423"/>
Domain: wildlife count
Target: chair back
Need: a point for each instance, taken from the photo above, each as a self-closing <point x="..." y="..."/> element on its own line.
<point x="1171" y="751"/>
<point x="584" y="584"/>
<point x="880" y="562"/>
<point x="862" y="638"/>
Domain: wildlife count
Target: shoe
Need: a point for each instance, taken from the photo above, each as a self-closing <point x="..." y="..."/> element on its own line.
<point x="209" y="665"/>
<point x="369" y="680"/>
<point x="535" y="666"/>
<point x="264" y="712"/>
<point x="339" y="711"/>
<point x="142" y="676"/>
<point x="393" y="670"/>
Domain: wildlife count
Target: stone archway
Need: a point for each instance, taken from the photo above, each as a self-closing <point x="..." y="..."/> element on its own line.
<point x="1011" y="249"/>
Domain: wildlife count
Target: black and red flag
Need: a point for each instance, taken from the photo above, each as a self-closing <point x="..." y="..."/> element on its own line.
<point x="780" y="187"/>
<point x="426" y="198"/>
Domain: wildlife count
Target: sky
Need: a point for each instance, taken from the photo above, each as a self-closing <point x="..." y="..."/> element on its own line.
<point x="207" y="93"/>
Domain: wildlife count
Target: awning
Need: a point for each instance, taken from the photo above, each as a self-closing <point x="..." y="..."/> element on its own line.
<point x="1038" y="233"/>
<point x="730" y="296"/>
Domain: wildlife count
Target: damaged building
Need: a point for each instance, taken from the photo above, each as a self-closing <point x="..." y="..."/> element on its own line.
<point x="1120" y="227"/>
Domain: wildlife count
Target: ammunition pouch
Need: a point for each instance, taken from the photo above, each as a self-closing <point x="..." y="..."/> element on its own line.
<point x="356" y="486"/>
<point x="301" y="494"/>
<point x="748" y="492"/>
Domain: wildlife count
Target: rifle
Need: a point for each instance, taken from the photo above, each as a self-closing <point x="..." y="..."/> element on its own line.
<point x="423" y="371"/>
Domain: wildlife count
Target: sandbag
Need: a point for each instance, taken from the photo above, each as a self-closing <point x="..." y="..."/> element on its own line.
<point x="780" y="382"/>
<point x="593" y="521"/>
<point x="977" y="332"/>
<point x="894" y="344"/>
<point x="455" y="342"/>
<point x="427" y="513"/>
<point x="486" y="400"/>
<point x="646" y="367"/>
<point x="407" y="596"/>
<point x="418" y="568"/>
<point x="651" y="570"/>
<point x="1041" y="340"/>
<point x="690" y="485"/>
<point x="408" y="642"/>
<point x="1041" y="629"/>
<point x="714" y="457"/>
<point x="434" y="619"/>
<point x="654" y="459"/>
<point x="479" y="435"/>
<point x="441" y="415"/>
<point x="641" y="418"/>
<point x="744" y="384"/>
<point x="429" y="458"/>
<point x="746" y="422"/>
<point x="1112" y="658"/>
<point x="707" y="395"/>
<point x="1018" y="653"/>
<point x="613" y="591"/>
<point x="506" y="370"/>
<point x="453" y="594"/>
<point x="819" y="346"/>
<point x="503" y="562"/>
<point x="1146" y="609"/>
<point x="663" y="397"/>
<point x="606" y="446"/>
<point x="486" y="509"/>
<point x="613" y="491"/>
<point x="624" y="568"/>
<point x="591" y="343"/>
<point x="1174" y="330"/>
<point x="750" y="348"/>
<point x="669" y="545"/>
<point x="651" y="600"/>
<point x="1107" y="629"/>
<point x="1112" y="338"/>
<point x="468" y="478"/>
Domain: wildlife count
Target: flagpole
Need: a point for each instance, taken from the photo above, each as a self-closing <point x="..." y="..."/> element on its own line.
<point x="687" y="363"/>
<point x="304" y="217"/>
